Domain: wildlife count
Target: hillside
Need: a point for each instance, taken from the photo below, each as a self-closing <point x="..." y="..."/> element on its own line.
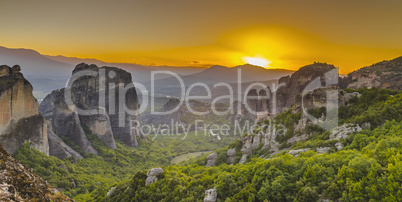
<point x="386" y="74"/>
<point x="366" y="167"/>
<point x="18" y="183"/>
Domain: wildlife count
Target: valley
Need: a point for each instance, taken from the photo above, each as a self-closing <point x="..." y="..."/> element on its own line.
<point x="279" y="142"/>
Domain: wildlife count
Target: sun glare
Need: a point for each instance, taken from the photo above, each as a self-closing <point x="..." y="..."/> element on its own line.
<point x="257" y="61"/>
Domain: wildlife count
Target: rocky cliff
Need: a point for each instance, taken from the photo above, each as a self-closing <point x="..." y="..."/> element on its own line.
<point x="65" y="121"/>
<point x="267" y="138"/>
<point x="294" y="85"/>
<point x="385" y="74"/>
<point x="263" y="103"/>
<point x="20" y="120"/>
<point x="20" y="184"/>
<point x="99" y="92"/>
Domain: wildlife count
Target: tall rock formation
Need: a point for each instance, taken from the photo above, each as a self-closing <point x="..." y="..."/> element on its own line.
<point x="273" y="101"/>
<point x="108" y="94"/>
<point x="301" y="78"/>
<point x="20" y="120"/>
<point x="65" y="121"/>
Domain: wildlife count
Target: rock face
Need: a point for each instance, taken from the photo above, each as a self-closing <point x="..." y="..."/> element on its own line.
<point x="152" y="175"/>
<point x="322" y="150"/>
<point x="20" y="184"/>
<point x="58" y="148"/>
<point x="252" y="103"/>
<point x="267" y="102"/>
<point x="18" y="108"/>
<point x="104" y="94"/>
<point x="210" y="195"/>
<point x="231" y="153"/>
<point x="296" y="152"/>
<point x="99" y="125"/>
<point x="289" y="88"/>
<point x="343" y="131"/>
<point x="87" y="93"/>
<point x="256" y="108"/>
<point x="211" y="159"/>
<point x="65" y="121"/>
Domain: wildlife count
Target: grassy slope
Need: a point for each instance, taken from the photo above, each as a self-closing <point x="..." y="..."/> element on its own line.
<point x="112" y="166"/>
<point x="368" y="168"/>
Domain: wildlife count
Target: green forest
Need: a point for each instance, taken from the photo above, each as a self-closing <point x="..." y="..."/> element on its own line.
<point x="367" y="168"/>
<point x="77" y="178"/>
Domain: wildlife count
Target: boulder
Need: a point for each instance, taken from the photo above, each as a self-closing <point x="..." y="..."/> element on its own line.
<point x="339" y="146"/>
<point x="152" y="175"/>
<point x="296" y="152"/>
<point x="231" y="153"/>
<point x="211" y="159"/>
<point x="343" y="131"/>
<point x="322" y="150"/>
<point x="243" y="158"/>
<point x="111" y="191"/>
<point x="210" y="195"/>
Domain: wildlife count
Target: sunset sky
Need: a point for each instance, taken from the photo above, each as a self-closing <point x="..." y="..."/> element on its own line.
<point x="289" y="33"/>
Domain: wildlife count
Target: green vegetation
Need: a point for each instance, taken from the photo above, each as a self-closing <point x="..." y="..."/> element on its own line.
<point x="370" y="168"/>
<point x="81" y="177"/>
<point x="186" y="157"/>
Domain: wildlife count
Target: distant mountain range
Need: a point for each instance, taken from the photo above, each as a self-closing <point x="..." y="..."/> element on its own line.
<point x="47" y="73"/>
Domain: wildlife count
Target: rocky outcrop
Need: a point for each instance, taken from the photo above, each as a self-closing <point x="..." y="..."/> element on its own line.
<point x="301" y="78"/>
<point x="32" y="129"/>
<point x="100" y="94"/>
<point x="252" y="103"/>
<point x="343" y="131"/>
<point x="231" y="154"/>
<point x="152" y="175"/>
<point x="111" y="191"/>
<point x="296" y="152"/>
<point x="65" y="121"/>
<point x="20" y="184"/>
<point x="99" y="124"/>
<point x="385" y="75"/>
<point x="210" y="195"/>
<point x="20" y="120"/>
<point x="58" y="148"/>
<point x="319" y="98"/>
<point x="211" y="159"/>
<point x="322" y="150"/>
<point x="267" y="102"/>
<point x="90" y="92"/>
<point x="250" y="142"/>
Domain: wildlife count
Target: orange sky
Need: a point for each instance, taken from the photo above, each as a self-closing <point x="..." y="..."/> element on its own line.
<point x="289" y="33"/>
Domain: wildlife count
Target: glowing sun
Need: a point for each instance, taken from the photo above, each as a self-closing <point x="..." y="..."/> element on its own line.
<point x="257" y="61"/>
